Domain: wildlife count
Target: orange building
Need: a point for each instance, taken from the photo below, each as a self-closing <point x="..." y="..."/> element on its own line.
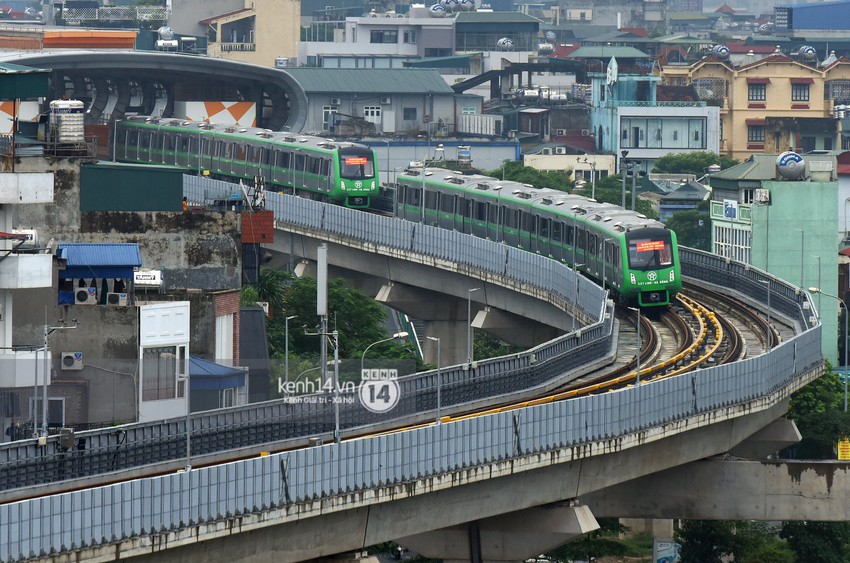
<point x="771" y="105"/>
<point x="21" y="38"/>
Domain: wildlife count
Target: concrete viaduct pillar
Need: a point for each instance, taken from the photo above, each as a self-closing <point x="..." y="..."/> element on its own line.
<point x="510" y="537"/>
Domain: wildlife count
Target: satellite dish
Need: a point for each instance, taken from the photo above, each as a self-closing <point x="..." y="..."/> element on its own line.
<point x="808" y="53"/>
<point x="505" y="43"/>
<point x="165" y="33"/>
<point x="791" y="165"/>
<point x="438" y="11"/>
<point x="551" y="37"/>
<point x="721" y="52"/>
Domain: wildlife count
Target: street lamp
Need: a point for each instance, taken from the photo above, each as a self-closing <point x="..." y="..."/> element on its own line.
<point x="768" y="339"/>
<point x="575" y="276"/>
<point x="439" y="376"/>
<point x="623" y="163"/>
<point x="846" y="315"/>
<point x="637" y="355"/>
<point x="286" y="347"/>
<point x="363" y="357"/>
<point x="592" y="164"/>
<point x="469" y="323"/>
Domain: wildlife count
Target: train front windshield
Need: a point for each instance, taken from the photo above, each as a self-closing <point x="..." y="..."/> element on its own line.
<point x="652" y="252"/>
<point x="356" y="164"/>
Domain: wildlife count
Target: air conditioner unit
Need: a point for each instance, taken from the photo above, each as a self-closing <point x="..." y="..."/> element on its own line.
<point x="72" y="361"/>
<point x="762" y="196"/>
<point x="86" y="296"/>
<point x="560" y="131"/>
<point x="560" y="150"/>
<point x="335" y="101"/>
<point x="119" y="299"/>
<point x="585" y="132"/>
<point x="386" y="99"/>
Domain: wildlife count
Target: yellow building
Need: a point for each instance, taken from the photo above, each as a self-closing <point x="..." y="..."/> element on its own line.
<point x="257" y="34"/>
<point x="771" y="105"/>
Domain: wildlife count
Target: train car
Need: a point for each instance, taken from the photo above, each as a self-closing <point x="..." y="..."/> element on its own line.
<point x="322" y="169"/>
<point x="635" y="256"/>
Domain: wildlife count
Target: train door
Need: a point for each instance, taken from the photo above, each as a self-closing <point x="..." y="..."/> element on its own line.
<point x="556" y="229"/>
<point x="494" y="221"/>
<point x="594" y="265"/>
<point x="544" y="235"/>
<point x="412" y="203"/>
<point x="510" y="225"/>
<point x="145" y="140"/>
<point x="205" y="154"/>
<point x="446" y="210"/>
<point x="182" y="155"/>
<point x="430" y="208"/>
<point x="463" y="216"/>
<point x="526" y="229"/>
<point x="128" y="144"/>
<point x="298" y="167"/>
<point x="478" y="224"/>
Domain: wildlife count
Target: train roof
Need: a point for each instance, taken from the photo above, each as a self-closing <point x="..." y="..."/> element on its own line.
<point x="283" y="137"/>
<point x="606" y="216"/>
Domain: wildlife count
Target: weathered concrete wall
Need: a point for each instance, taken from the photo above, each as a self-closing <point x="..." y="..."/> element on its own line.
<point x="198" y="253"/>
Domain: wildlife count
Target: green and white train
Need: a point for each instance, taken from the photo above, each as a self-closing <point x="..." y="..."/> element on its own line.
<point x="623" y="250"/>
<point x="314" y="167"/>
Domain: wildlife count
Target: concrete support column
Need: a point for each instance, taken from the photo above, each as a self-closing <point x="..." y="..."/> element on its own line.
<point x="512" y="537"/>
<point x="452" y="335"/>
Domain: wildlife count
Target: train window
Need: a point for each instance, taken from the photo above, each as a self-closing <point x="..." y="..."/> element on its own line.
<point x="511" y="218"/>
<point x="649" y="253"/>
<point x="282" y="159"/>
<point x="218" y="149"/>
<point x="356" y="166"/>
<point x="228" y="150"/>
<point x="184" y="144"/>
<point x="494" y="214"/>
<point x="170" y="142"/>
<point x="556" y="231"/>
<point x="413" y="196"/>
<point x="193" y="145"/>
<point x="543" y="227"/>
<point x="132" y="138"/>
<point x="314" y="165"/>
<point x="593" y="246"/>
<point x="300" y="162"/>
<point x="582" y="239"/>
<point x="480" y="211"/>
<point x="146" y="139"/>
<point x="326" y="167"/>
<point x="431" y="200"/>
<point x="241" y="153"/>
<point x="447" y="203"/>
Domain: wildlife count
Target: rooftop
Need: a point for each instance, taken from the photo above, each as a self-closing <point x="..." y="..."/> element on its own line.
<point x="357" y="81"/>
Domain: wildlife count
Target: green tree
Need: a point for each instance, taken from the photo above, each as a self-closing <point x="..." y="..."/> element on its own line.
<point x="824" y="542"/>
<point x="694" y="163"/>
<point x="517" y="172"/>
<point x="693" y="227"/>
<point x="710" y="541"/>
<point x="610" y="190"/>
<point x="818" y="411"/>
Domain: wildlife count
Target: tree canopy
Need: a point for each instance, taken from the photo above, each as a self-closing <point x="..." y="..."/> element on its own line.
<point x="518" y="172"/>
<point x="695" y="163"/>
<point x="693" y="227"/>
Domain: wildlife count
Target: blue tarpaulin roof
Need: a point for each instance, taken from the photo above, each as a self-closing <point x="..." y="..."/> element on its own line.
<point x="99" y="260"/>
<point x="205" y="375"/>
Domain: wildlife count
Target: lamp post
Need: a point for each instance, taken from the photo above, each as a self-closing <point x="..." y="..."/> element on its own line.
<point x="634" y="183"/>
<point x="439" y="376"/>
<point x="639" y="346"/>
<point x="768" y="335"/>
<point x="846" y="315"/>
<point x="48" y="332"/>
<point x="575" y="276"/>
<point x="363" y="357"/>
<point x="469" y="323"/>
<point x="623" y="164"/>
<point x="286" y="346"/>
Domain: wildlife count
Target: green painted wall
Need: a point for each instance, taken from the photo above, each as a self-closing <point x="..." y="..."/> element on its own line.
<point x="796" y="233"/>
<point x="127" y="187"/>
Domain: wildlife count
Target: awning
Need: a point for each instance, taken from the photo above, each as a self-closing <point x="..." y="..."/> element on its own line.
<point x="452" y="61"/>
<point x="205" y="375"/>
<point x="754" y="121"/>
<point x="96" y="260"/>
<point x="758" y="80"/>
<point x="802" y="81"/>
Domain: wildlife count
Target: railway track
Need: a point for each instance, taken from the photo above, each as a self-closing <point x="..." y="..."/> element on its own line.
<point x="687" y="335"/>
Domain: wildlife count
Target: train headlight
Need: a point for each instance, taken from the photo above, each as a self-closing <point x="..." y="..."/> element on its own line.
<point x="633" y="278"/>
<point x="672" y="275"/>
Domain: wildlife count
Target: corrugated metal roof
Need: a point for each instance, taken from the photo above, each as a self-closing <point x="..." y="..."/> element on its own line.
<point x="11" y="68"/>
<point x="371" y="81"/>
<point x="606" y="52"/>
<point x="757" y="167"/>
<point x="495" y="17"/>
<point x="94" y="254"/>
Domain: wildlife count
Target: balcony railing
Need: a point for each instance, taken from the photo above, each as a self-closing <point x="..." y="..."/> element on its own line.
<point x="235" y="47"/>
<point x="670" y="104"/>
<point x="115" y="14"/>
<point x="24" y="146"/>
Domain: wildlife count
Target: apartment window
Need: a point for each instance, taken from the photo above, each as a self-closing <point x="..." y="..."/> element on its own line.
<point x="756" y="92"/>
<point x="755" y="134"/>
<point x="469" y="111"/>
<point x="383" y="36"/>
<point x="799" y="92"/>
<point x="409" y="114"/>
<point x="410" y="37"/>
<point x="328" y="119"/>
